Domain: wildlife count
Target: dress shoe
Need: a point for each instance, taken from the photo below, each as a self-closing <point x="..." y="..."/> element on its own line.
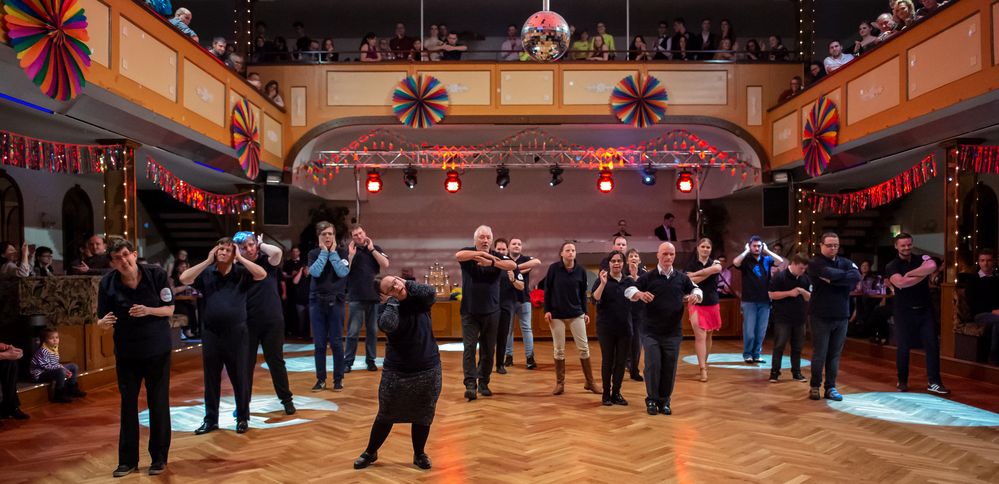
<point x="606" y="400"/>
<point x="338" y="386"/>
<point x="124" y="470"/>
<point x="531" y="364"/>
<point x="157" y="468"/>
<point x="365" y="460"/>
<point x="470" y="393"/>
<point x="508" y="361"/>
<point x="665" y="410"/>
<point x="289" y="408"/>
<point x="422" y="461"/>
<point x="347" y="367"/>
<point x="372" y="366"/>
<point x="617" y="399"/>
<point x="637" y="376"/>
<point x="651" y="407"/>
<point x="813" y="393"/>
<point x="17" y="414"/>
<point x="501" y="369"/>
<point x="242" y="426"/>
<point x="484" y="389"/>
<point x="206" y="427"/>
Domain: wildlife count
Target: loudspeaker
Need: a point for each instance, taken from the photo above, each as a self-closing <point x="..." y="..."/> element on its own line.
<point x="777" y="206"/>
<point x="276" y="207"/>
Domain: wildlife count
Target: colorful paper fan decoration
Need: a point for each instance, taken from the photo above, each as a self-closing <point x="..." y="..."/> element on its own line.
<point x="50" y="38"/>
<point x="246" y="138"/>
<point x="420" y="101"/>
<point x="639" y="101"/>
<point x="819" y="136"/>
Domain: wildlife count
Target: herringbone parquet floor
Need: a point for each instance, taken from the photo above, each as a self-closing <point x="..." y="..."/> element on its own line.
<point x="735" y="428"/>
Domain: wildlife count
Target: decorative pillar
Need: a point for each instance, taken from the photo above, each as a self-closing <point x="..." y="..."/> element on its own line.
<point x="806" y="29"/>
<point x="250" y="220"/>
<point x="120" y="203"/>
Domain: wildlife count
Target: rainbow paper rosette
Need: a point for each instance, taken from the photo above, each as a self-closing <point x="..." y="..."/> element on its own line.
<point x="639" y="100"/>
<point x="819" y="136"/>
<point x="246" y="138"/>
<point x="420" y="101"/>
<point x="50" y="38"/>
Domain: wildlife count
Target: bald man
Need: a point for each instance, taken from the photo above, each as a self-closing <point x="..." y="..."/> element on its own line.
<point x="664" y="292"/>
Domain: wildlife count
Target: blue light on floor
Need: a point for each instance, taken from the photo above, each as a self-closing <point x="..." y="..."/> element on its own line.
<point x="734" y="361"/>
<point x="914" y="408"/>
<point x="291" y="348"/>
<point x="307" y="364"/>
<point x="266" y="412"/>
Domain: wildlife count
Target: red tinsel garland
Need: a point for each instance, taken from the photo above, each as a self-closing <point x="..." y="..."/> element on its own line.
<point x="980" y="159"/>
<point x="53" y="157"/>
<point x="877" y="195"/>
<point x="195" y="197"/>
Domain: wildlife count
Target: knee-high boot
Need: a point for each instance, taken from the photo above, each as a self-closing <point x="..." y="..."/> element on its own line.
<point x="590" y="385"/>
<point x="559" y="377"/>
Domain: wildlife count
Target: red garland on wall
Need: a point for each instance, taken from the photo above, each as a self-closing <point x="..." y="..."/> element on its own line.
<point x="38" y="154"/>
<point x="979" y="159"/>
<point x="195" y="197"/>
<point x="877" y="195"/>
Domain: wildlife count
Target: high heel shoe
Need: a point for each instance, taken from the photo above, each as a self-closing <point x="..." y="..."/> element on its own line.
<point x="704" y="374"/>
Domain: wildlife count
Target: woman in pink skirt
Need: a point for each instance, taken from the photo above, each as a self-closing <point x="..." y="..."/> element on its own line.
<point x="705" y="317"/>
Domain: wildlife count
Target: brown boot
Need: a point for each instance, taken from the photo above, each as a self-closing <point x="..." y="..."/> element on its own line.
<point x="559" y="377"/>
<point x="588" y="374"/>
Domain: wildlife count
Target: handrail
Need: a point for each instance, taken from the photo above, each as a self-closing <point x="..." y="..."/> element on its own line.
<point x="317" y="57"/>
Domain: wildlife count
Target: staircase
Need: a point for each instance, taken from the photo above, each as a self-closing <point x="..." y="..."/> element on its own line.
<point x="180" y="226"/>
<point x="859" y="233"/>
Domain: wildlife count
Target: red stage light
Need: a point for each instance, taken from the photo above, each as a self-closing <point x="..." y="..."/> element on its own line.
<point x="453" y="183"/>
<point x="605" y="183"/>
<point x="685" y="182"/>
<point x="374" y="183"/>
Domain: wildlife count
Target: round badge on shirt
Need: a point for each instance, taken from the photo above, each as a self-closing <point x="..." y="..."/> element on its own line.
<point x="166" y="295"/>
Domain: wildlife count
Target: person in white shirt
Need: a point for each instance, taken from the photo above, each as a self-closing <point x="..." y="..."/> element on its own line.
<point x="511" y="48"/>
<point x="836" y="57"/>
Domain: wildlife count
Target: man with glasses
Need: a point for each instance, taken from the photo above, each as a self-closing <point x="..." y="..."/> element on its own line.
<point x="833" y="278"/>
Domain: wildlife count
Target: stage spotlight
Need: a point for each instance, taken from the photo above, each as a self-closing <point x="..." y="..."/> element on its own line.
<point x="453" y="182"/>
<point x="374" y="183"/>
<point x="556" y="172"/>
<point x="605" y="183"/>
<point x="409" y="177"/>
<point x="649" y="175"/>
<point x="502" y="177"/>
<point x="685" y="182"/>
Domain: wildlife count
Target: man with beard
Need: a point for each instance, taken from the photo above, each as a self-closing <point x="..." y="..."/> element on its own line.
<point x="366" y="260"/>
<point x="525" y="264"/>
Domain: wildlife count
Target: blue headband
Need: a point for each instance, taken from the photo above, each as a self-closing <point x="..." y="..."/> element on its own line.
<point x="241" y="237"/>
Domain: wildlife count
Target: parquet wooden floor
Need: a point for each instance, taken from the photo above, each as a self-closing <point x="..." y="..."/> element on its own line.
<point x="735" y="428"/>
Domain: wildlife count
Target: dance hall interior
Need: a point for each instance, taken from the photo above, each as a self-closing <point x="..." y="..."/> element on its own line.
<point x="523" y="241"/>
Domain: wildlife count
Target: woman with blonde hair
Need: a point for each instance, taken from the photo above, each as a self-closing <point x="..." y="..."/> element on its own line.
<point x="705" y="316"/>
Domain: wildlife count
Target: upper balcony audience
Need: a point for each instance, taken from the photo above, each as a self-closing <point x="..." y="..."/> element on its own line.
<point x="182" y="20"/>
<point x="598" y="50"/>
<point x="271" y="92"/>
<point x="512" y="46"/>
<point x="836" y="57"/>
<point x="451" y="50"/>
<point x="401" y="45"/>
<point x="867" y="38"/>
<point x="776" y="50"/>
<point x="433" y="43"/>
<point x="705" y="40"/>
<point x="369" y="48"/>
<point x="639" y="51"/>
<point x="580" y="48"/>
<point x="796" y="87"/>
<point x="607" y="38"/>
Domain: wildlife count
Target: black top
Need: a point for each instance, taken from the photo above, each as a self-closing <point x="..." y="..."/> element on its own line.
<point x="328" y="286"/>
<point x="451" y="54"/>
<point x="565" y="291"/>
<point x="789" y="309"/>
<point x="983" y="294"/>
<point x="297" y="293"/>
<point x="480" y="286"/>
<point x="525" y="295"/>
<point x="708" y="286"/>
<point x="913" y="297"/>
<point x="411" y="346"/>
<point x="756" y="278"/>
<point x="224" y="297"/>
<point x="831" y="300"/>
<point x="509" y="295"/>
<point x="613" y="309"/>
<point x="137" y="337"/>
<point x="663" y="234"/>
<point x="664" y="315"/>
<point x="361" y="278"/>
<point x="263" y="301"/>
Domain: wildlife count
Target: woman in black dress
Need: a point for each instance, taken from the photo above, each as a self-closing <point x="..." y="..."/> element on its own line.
<point x="613" y="325"/>
<point x="411" y="380"/>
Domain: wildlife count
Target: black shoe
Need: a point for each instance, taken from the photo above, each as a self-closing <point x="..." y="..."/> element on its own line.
<point x="798" y="377"/>
<point x="124" y="470"/>
<point x="319" y="386"/>
<point x="289" y="408"/>
<point x="470" y="393"/>
<point x="508" y="361"/>
<point x="617" y="399"/>
<point x="17" y="414"/>
<point x="347" y="367"/>
<point x="774" y="377"/>
<point x="372" y="366"/>
<point x="75" y="392"/>
<point x="651" y="408"/>
<point x="665" y="410"/>
<point x="338" y="385"/>
<point x="758" y="360"/>
<point x="938" y="388"/>
<point x="205" y="428"/>
<point x="422" y="461"/>
<point x="637" y="376"/>
<point x="530" y="363"/>
<point x="902" y="387"/>
<point x="242" y="426"/>
<point x="157" y="468"/>
<point x="748" y="361"/>
<point x="606" y="400"/>
<point x="484" y="389"/>
<point x="814" y="394"/>
<point x="501" y="369"/>
<point x="365" y="460"/>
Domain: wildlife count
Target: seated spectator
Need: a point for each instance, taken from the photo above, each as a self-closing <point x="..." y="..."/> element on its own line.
<point x="704" y="41"/>
<point x="599" y="50"/>
<point x="608" y="40"/>
<point x="929" y="7"/>
<point x="796" y="87"/>
<point x="261" y="53"/>
<point x="512" y="46"/>
<point x="815" y="72"/>
<point x="753" y="52"/>
<point x="727" y="32"/>
<point x="680" y="53"/>
<point x="664" y="42"/>
<point x="161" y="7"/>
<point x="580" y="48"/>
<point x="302" y="41"/>
<point x="776" y="51"/>
<point x="904" y="13"/>
<point x="10" y="404"/>
<point x="271" y="92"/>
<point x="724" y="45"/>
<point x="983" y="298"/>
<point x="433" y="43"/>
<point x="419" y="54"/>
<point x="280" y="53"/>
<point x="94" y="261"/>
<point x="313" y="54"/>
<point x="639" y="51"/>
<point x="369" y="48"/>
<point x="218" y="48"/>
<point x="329" y="52"/>
<point x="888" y="27"/>
<point x="254" y="79"/>
<point x="867" y="38"/>
<point x="15" y="263"/>
<point x="235" y="62"/>
<point x="401" y="45"/>
<point x="679" y="30"/>
<point x="452" y="49"/>
<point x="43" y="263"/>
<point x="836" y="57"/>
<point x="181" y="20"/>
<point x="45" y="367"/>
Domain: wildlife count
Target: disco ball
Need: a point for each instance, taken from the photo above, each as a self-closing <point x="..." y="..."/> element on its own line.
<point x="545" y="36"/>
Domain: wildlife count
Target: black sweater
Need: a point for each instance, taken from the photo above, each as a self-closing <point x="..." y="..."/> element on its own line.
<point x="565" y="291"/>
<point x="411" y="346"/>
<point x="831" y="300"/>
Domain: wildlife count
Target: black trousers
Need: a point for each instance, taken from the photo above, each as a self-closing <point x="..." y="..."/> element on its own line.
<point x="785" y="331"/>
<point x="228" y="349"/>
<point x="478" y="329"/>
<point x="503" y="328"/>
<point x="8" y="387"/>
<point x="828" y="338"/>
<point x="661" y="356"/>
<point x="634" y="355"/>
<point x="131" y="372"/>
<point x="271" y="336"/>
<point x="614" y="350"/>
<point x="916" y="323"/>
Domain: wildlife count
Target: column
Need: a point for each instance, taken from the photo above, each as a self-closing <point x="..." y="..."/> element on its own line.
<point x="120" y="203"/>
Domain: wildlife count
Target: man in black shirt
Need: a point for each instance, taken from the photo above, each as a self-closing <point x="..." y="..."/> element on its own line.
<point x="912" y="312"/>
<point x="790" y="289"/>
<point x="264" y="317"/>
<point x="95" y="261"/>
<point x="832" y="278"/>
<point x="224" y="286"/>
<point x="511" y="289"/>
<point x="366" y="260"/>
<point x="983" y="297"/>
<point x="525" y="264"/>
<point x="664" y="292"/>
<point x="137" y="302"/>
<point x="481" y="270"/>
<point x="755" y="263"/>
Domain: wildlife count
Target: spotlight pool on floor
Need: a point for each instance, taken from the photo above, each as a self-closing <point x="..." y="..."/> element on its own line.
<point x="263" y="408"/>
<point x="735" y="361"/>
<point x="914" y="408"/>
<point x="307" y="364"/>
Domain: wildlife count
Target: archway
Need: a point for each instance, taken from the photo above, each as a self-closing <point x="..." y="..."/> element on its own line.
<point x="77" y="221"/>
<point x="11" y="210"/>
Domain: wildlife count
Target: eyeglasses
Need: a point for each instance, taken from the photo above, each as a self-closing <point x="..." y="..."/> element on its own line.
<point x="831" y="246"/>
